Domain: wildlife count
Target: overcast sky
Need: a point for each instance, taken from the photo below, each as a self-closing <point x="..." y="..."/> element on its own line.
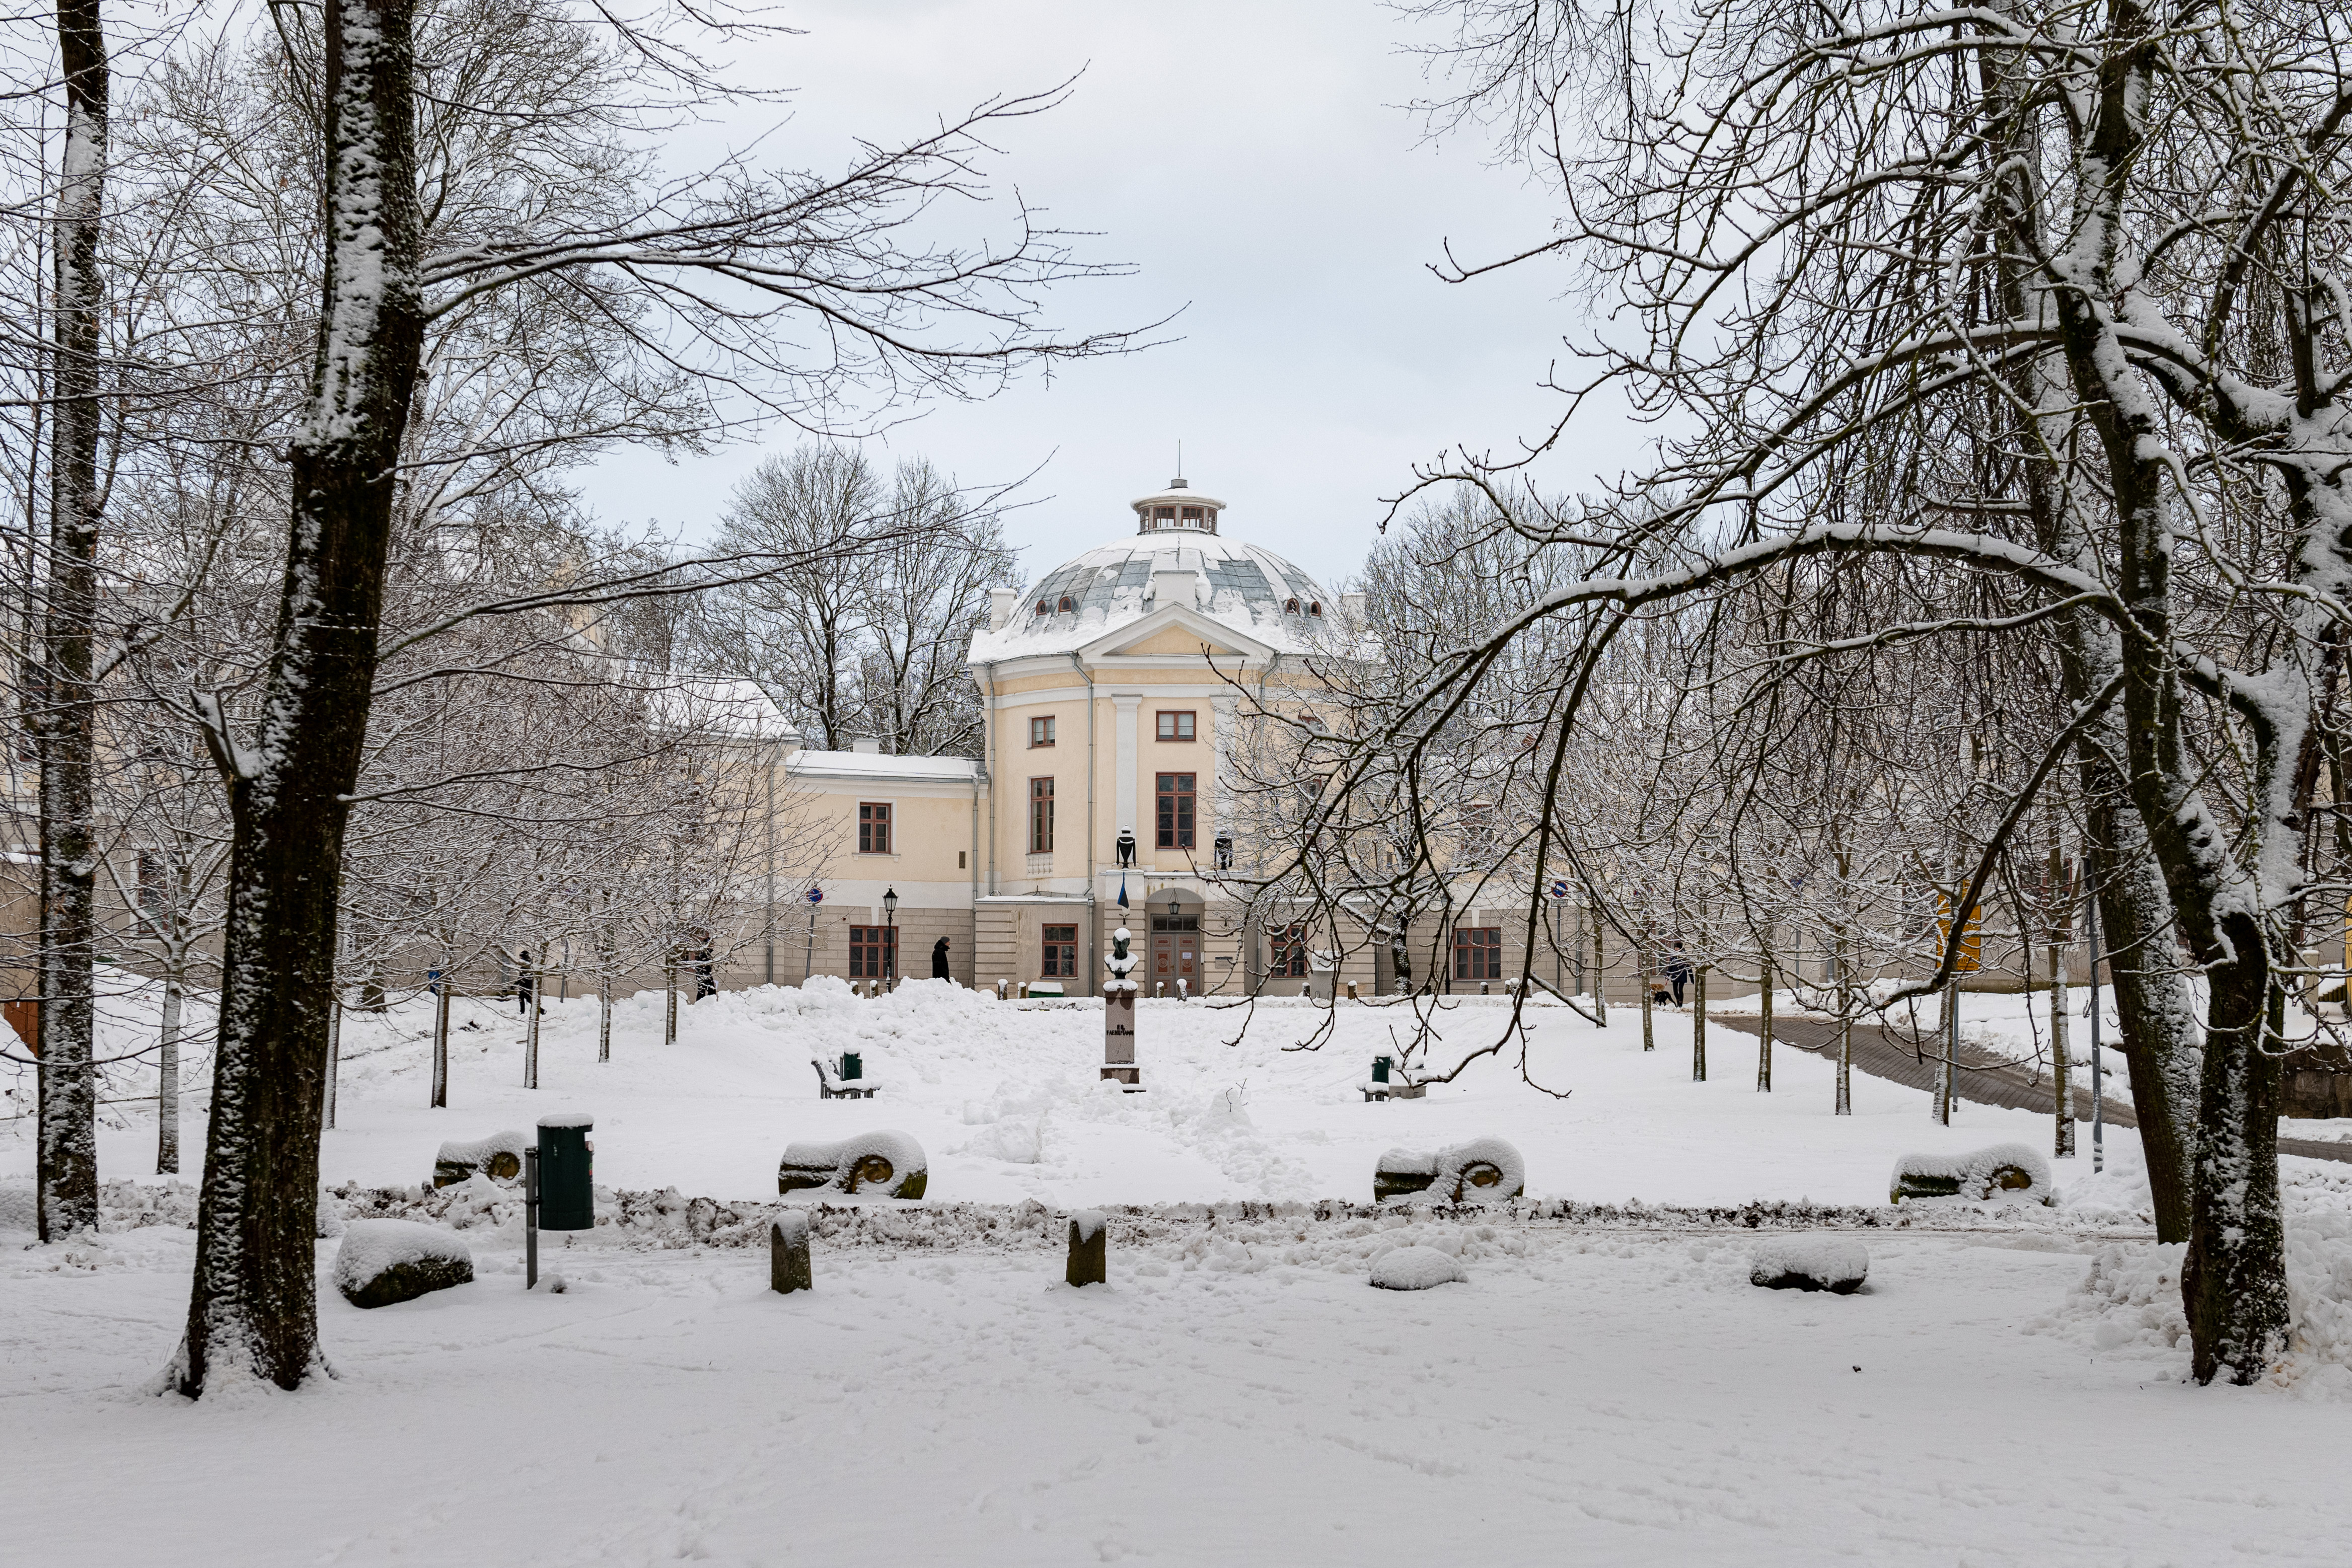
<point x="1253" y="161"/>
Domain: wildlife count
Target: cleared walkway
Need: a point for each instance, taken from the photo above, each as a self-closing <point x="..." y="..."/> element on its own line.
<point x="1985" y="1079"/>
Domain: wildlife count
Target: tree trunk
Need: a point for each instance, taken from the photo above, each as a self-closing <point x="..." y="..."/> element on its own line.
<point x="167" y="1072"/>
<point x="603" y="1016"/>
<point x="2233" y="1280"/>
<point x="253" y="1309"/>
<point x="67" y="1185"/>
<point x="1764" y="1031"/>
<point x="2062" y="1066"/>
<point x="440" y="1097"/>
<point x="1699" y="1024"/>
<point x="1599" y="971"/>
<point x="2161" y="1038"/>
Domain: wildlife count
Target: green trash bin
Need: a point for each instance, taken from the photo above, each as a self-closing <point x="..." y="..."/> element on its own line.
<point x="1380" y="1069"/>
<point x="567" y="1182"/>
<point x="853" y="1066"/>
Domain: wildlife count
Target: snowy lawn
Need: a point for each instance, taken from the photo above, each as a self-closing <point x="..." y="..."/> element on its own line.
<point x="1007" y="1104"/>
<point x="1603" y="1398"/>
<point x="1238" y="1393"/>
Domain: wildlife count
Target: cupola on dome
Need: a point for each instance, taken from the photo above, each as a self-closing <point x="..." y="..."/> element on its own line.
<point x="1179" y="508"/>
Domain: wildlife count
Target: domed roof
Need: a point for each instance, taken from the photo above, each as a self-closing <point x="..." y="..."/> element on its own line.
<point x="1245" y="585"/>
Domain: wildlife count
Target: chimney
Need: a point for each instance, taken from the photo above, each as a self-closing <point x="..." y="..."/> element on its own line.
<point x="1356" y="607"/>
<point x="865" y="744"/>
<point x="1000" y="606"/>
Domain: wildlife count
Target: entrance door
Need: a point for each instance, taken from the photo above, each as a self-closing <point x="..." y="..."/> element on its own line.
<point x="1175" y="952"/>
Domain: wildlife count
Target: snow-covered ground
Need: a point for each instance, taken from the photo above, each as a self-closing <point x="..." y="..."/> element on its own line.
<point x="1237" y="1393"/>
<point x="1006" y="1102"/>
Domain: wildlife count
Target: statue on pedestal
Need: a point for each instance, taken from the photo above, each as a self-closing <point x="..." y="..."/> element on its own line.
<point x="1126" y="847"/>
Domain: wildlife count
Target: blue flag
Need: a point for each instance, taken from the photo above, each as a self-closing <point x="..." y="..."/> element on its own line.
<point x="1122" y="890"/>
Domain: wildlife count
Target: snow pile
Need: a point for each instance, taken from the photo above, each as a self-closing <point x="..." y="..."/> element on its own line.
<point x="1834" y="1263"/>
<point x="381" y="1261"/>
<point x="20" y="1207"/>
<point x="1481" y="1171"/>
<point x="2002" y="1173"/>
<point x="499" y="1157"/>
<point x="885" y="1163"/>
<point x="1417" y="1268"/>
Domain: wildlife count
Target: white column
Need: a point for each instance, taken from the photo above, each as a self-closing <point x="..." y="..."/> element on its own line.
<point x="1123" y="777"/>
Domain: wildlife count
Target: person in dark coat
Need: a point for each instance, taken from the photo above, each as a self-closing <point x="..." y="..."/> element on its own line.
<point x="1678" y="971"/>
<point x="526" y="983"/>
<point x="939" y="960"/>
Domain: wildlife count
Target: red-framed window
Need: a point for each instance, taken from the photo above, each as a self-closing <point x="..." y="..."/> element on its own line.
<point x="1177" y="813"/>
<point x="1041" y="733"/>
<point x="1058" y="959"/>
<point x="1286" y="951"/>
<point x="1478" y="952"/>
<point x="872" y="952"/>
<point x="873" y="827"/>
<point x="1041" y="815"/>
<point x="1177" y="724"/>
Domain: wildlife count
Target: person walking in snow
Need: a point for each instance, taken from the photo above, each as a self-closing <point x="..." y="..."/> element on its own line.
<point x="1678" y="971"/>
<point x="525" y="984"/>
<point x="939" y="960"/>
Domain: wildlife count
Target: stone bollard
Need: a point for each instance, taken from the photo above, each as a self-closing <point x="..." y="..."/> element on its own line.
<point x="1351" y="991"/>
<point x="788" y="1253"/>
<point x="1003" y="990"/>
<point x="1089" y="1248"/>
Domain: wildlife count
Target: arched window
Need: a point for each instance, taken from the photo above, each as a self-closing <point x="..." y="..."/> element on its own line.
<point x="1044" y="609"/>
<point x="1067" y="604"/>
<point x="1315" y="607"/>
<point x="1290" y="607"/>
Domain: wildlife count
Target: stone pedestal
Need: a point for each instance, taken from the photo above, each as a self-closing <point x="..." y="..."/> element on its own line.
<point x="1119" y="1034"/>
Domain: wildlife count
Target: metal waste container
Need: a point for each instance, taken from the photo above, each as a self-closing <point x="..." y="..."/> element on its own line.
<point x="567" y="1182"/>
<point x="852" y="1066"/>
<point x="1380" y="1069"/>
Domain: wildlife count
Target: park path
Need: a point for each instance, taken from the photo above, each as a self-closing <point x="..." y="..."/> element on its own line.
<point x="1986" y="1078"/>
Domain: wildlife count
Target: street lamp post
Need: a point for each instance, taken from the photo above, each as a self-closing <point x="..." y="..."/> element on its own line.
<point x="890" y="949"/>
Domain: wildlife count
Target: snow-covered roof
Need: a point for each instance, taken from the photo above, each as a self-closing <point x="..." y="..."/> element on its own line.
<point x="1245" y="585"/>
<point x="814" y="765"/>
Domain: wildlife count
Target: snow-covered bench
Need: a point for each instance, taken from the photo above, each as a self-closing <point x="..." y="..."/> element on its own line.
<point x="1483" y="1170"/>
<point x="831" y="1085"/>
<point x="1400" y="1085"/>
<point x="886" y="1164"/>
<point x="2004" y="1173"/>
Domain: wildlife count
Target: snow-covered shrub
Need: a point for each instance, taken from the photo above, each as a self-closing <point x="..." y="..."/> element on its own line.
<point x="498" y="1156"/>
<point x="2003" y="1172"/>
<point x="381" y="1261"/>
<point x="1810" y="1263"/>
<point x="1416" y="1269"/>
<point x="1483" y="1170"/>
<point x="885" y="1163"/>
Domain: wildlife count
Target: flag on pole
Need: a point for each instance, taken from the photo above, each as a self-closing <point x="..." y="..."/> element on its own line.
<point x="1122" y="890"/>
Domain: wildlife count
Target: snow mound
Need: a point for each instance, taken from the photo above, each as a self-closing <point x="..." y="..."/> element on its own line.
<point x="498" y="1156"/>
<point x="1417" y="1268"/>
<point x="885" y="1163"/>
<point x="1810" y="1263"/>
<point x="2002" y="1172"/>
<point x="1483" y="1170"/>
<point x="381" y="1261"/>
<point x="20" y="1207"/>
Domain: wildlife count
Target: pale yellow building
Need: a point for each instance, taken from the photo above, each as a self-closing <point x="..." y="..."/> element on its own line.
<point x="1116" y="688"/>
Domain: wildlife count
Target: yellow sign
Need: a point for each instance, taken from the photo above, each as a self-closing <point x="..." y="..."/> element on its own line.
<point x="1971" y="957"/>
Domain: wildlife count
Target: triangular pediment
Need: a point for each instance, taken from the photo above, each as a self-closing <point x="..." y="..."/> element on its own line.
<point x="1176" y="631"/>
